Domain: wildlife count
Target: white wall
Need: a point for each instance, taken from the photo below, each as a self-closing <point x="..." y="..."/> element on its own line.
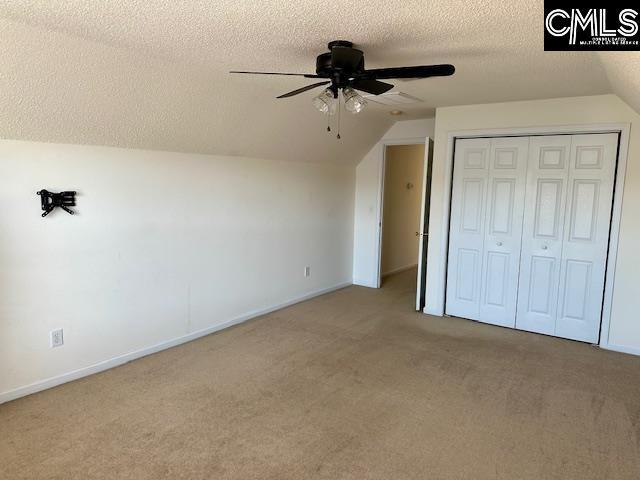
<point x="404" y="165"/>
<point x="163" y="245"/>
<point x="625" y="327"/>
<point x="367" y="202"/>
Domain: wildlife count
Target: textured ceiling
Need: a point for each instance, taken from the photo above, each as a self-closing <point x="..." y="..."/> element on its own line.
<point x="623" y="71"/>
<point x="152" y="73"/>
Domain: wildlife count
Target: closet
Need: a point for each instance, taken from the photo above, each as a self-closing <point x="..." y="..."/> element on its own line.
<point x="529" y="232"/>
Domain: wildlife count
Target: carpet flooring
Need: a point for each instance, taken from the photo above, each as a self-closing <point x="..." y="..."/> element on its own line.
<point x="350" y="385"/>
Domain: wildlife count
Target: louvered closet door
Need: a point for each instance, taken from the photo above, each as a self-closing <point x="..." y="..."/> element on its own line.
<point x="503" y="230"/>
<point x="587" y="222"/>
<point x="466" y="240"/>
<point x="543" y="233"/>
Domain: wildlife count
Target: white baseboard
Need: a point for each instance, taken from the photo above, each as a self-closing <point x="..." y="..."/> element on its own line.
<point x="128" y="357"/>
<point x="400" y="269"/>
<point x="621" y="349"/>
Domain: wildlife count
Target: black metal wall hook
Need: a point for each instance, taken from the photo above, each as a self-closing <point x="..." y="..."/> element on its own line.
<point x="50" y="200"/>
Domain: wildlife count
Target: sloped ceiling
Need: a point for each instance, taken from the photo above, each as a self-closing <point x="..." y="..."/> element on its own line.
<point x="153" y="73"/>
<point x="623" y="72"/>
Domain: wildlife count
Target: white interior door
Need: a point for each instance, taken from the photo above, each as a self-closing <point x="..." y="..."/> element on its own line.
<point x="503" y="230"/>
<point x="466" y="241"/>
<point x="542" y="233"/>
<point x="587" y="223"/>
<point x="423" y="232"/>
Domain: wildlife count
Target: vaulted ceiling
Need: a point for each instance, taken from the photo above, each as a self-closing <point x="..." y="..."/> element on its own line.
<point x="623" y="72"/>
<point x="153" y="73"/>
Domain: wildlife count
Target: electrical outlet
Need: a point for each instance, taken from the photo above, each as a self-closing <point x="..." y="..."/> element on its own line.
<point x="307" y="271"/>
<point x="56" y="338"/>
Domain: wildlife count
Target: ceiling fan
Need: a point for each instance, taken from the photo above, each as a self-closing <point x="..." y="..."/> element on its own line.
<point x="343" y="68"/>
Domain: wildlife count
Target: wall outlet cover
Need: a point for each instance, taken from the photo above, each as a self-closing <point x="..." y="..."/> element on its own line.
<point x="56" y="338"/>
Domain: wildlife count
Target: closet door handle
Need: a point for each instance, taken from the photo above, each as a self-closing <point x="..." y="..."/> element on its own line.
<point x="499" y="244"/>
<point x="544" y="247"/>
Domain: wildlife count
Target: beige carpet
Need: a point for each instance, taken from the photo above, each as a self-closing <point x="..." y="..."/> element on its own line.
<point x="351" y="385"/>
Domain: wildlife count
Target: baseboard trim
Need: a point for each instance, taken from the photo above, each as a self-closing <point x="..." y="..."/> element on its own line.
<point x="621" y="349"/>
<point x="400" y="269"/>
<point x="128" y="357"/>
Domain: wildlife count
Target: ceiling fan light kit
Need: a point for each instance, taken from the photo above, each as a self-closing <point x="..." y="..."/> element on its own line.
<point x="325" y="102"/>
<point x="353" y="101"/>
<point x="342" y="67"/>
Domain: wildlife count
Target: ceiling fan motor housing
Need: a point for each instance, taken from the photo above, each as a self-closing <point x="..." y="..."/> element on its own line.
<point x="339" y="65"/>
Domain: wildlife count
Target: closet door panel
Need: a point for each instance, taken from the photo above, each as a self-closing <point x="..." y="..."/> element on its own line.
<point x="503" y="230"/>
<point x="466" y="239"/>
<point x="586" y="236"/>
<point x="542" y="236"/>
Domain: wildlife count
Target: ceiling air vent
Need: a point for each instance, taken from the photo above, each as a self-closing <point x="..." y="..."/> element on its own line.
<point x="393" y="98"/>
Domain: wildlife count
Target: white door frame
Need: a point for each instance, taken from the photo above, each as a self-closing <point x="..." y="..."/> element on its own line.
<point x="396" y="141"/>
<point x="622" y="128"/>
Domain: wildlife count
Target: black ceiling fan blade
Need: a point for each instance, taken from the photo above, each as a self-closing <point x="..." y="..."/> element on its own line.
<point x="346" y="58"/>
<point x="306" y="75"/>
<point x="303" y="89"/>
<point x="371" y="86"/>
<point x="423" y="71"/>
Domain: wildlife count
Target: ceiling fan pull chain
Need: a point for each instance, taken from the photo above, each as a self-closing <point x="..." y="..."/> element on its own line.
<point x="339" y="110"/>
<point x="328" y="123"/>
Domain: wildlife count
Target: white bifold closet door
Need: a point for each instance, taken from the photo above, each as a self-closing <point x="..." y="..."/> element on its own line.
<point x="566" y="234"/>
<point x="466" y="238"/>
<point x="486" y="228"/>
<point x="543" y="233"/>
<point x="529" y="232"/>
<point x="503" y="230"/>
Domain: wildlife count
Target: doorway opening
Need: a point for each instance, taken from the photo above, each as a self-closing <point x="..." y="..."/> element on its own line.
<point x="406" y="189"/>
